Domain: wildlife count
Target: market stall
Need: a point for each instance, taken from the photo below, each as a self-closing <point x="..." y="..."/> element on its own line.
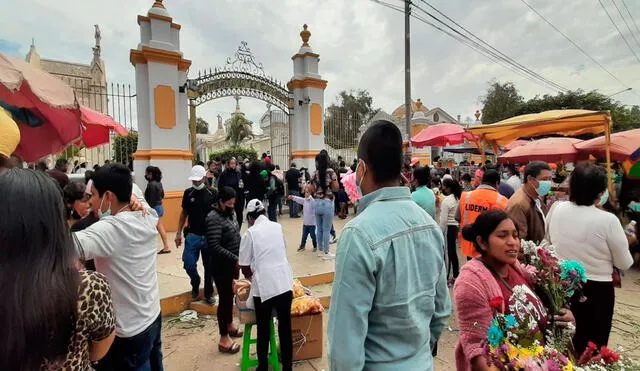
<point x="570" y="122"/>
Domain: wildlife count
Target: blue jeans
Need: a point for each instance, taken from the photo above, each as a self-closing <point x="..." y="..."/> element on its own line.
<point x="142" y="352"/>
<point x="309" y="230"/>
<point x="293" y="206"/>
<point x="324" y="219"/>
<point x="194" y="245"/>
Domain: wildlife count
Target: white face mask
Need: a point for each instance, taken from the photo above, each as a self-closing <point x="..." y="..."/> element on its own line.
<point x="359" y="183"/>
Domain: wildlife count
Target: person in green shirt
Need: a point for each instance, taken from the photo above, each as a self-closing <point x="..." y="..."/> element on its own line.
<point x="423" y="195"/>
<point x="390" y="300"/>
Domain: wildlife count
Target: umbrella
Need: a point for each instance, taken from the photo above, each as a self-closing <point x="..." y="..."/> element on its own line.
<point x="622" y="145"/>
<point x="635" y="156"/>
<point x="97" y="127"/>
<point x="515" y="144"/>
<point x="44" y="107"/>
<point x="548" y="149"/>
<point x="9" y="134"/>
<point x="441" y="135"/>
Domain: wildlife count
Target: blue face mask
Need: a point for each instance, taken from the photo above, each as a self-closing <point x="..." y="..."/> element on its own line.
<point x="106" y="213"/>
<point x="199" y="187"/>
<point x="544" y="186"/>
<point x="634" y="206"/>
<point x="604" y="198"/>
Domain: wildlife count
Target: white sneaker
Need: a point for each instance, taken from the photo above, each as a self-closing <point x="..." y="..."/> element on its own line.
<point x="329" y="256"/>
<point x="320" y="253"/>
<point x="333" y="240"/>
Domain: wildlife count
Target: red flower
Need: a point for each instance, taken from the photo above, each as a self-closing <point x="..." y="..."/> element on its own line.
<point x="609" y="356"/>
<point x="592" y="346"/>
<point x="497" y="303"/>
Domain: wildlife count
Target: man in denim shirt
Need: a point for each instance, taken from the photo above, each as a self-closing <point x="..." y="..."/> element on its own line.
<point x="390" y="300"/>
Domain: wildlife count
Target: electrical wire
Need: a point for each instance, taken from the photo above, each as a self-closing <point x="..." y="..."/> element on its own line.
<point x="618" y="29"/>
<point x="490" y="49"/>
<point x="630" y="16"/>
<point x="574" y="44"/>
<point x="625" y="22"/>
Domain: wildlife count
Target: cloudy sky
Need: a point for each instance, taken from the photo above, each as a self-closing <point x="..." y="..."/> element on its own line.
<point x="360" y="43"/>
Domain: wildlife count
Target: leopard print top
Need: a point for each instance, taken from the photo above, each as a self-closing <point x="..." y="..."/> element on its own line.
<point x="95" y="321"/>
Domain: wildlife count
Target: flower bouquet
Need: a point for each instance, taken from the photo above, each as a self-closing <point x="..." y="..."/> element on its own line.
<point x="555" y="281"/>
<point x="604" y="360"/>
<point x="513" y="345"/>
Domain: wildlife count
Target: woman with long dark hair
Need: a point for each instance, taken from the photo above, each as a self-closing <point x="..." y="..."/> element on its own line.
<point x="581" y="231"/>
<point x="324" y="184"/>
<point x="154" y="194"/>
<point x="53" y="316"/>
<point x="495" y="275"/>
<point x="76" y="201"/>
<point x="452" y="191"/>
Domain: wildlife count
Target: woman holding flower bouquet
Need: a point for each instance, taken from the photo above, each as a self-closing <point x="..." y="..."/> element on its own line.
<point x="595" y="238"/>
<point x="495" y="283"/>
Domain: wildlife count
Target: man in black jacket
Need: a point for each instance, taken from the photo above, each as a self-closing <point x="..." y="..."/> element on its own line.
<point x="292" y="177"/>
<point x="223" y="244"/>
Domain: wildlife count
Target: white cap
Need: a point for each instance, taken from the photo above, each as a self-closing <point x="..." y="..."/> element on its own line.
<point x="197" y="173"/>
<point x="255" y="206"/>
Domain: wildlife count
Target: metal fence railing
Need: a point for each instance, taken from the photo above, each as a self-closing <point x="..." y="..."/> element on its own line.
<point x="341" y="128"/>
<point x="116" y="100"/>
<point x="280" y="138"/>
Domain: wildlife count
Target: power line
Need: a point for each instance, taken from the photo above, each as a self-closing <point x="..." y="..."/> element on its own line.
<point x="618" y="29"/>
<point x="574" y="43"/>
<point x="488" y="48"/>
<point x="630" y="16"/>
<point x="625" y="22"/>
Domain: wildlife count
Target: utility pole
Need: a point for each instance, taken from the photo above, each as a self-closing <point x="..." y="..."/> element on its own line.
<point x="407" y="73"/>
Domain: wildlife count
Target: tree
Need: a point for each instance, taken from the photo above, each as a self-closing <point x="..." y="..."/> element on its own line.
<point x="202" y="126"/>
<point x="124" y="146"/>
<point x="344" y="118"/>
<point x="238" y="129"/>
<point x="501" y="101"/>
<point x="70" y="152"/>
<point x="236" y="152"/>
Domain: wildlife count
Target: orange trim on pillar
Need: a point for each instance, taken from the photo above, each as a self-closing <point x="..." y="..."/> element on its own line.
<point x="142" y="18"/>
<point x="165" y="106"/>
<point x="307" y="82"/>
<point x="148" y="54"/>
<point x="163" y="154"/>
<point x="307" y="54"/>
<point x="172" y="204"/>
<point x="304" y="154"/>
<point x="315" y="119"/>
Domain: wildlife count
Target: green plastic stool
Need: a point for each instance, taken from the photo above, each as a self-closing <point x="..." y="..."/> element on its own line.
<point x="247" y="341"/>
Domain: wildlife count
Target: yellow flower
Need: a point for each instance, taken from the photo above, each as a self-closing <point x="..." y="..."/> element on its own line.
<point x="538" y="350"/>
<point x="568" y="367"/>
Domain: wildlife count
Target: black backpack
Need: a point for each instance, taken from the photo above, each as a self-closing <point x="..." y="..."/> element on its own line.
<point x="279" y="186"/>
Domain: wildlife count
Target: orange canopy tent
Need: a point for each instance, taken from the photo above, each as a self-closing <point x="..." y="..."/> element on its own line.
<point x="569" y="122"/>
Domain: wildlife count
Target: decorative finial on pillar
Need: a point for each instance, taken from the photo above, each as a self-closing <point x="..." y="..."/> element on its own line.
<point x="305" y="35"/>
<point x="418" y="104"/>
<point x="158" y="4"/>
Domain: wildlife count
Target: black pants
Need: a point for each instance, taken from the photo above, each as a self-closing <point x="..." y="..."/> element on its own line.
<point x="224" y="272"/>
<point x="593" y="316"/>
<point x="141" y="352"/>
<point x="239" y="209"/>
<point x="452" y="237"/>
<point x="282" y="306"/>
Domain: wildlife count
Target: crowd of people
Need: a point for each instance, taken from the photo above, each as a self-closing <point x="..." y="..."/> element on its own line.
<point x="91" y="266"/>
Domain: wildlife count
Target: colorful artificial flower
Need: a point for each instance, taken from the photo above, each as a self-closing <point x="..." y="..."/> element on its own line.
<point x="497" y="304"/>
<point x="495" y="336"/>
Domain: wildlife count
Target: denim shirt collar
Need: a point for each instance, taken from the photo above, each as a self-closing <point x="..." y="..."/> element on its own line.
<point x="384" y="194"/>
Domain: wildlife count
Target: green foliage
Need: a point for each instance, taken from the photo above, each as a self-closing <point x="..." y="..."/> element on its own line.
<point x="202" y="126"/>
<point x="238" y="129"/>
<point x="70" y="152"/>
<point x="344" y="118"/>
<point x="124" y="146"/>
<point x="503" y="101"/>
<point x="236" y="152"/>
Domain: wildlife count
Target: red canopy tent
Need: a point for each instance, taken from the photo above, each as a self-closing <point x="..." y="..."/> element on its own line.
<point x="548" y="149"/>
<point x="441" y="135"/>
<point x="97" y="127"/>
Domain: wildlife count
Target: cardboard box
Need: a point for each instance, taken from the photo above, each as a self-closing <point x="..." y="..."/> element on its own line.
<point x="307" y="336"/>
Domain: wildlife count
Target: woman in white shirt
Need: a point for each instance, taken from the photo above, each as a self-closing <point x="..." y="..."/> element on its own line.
<point x="452" y="190"/>
<point x="581" y="231"/>
<point x="263" y="259"/>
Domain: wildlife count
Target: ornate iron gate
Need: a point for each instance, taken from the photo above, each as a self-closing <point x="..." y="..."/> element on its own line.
<point x="279" y="133"/>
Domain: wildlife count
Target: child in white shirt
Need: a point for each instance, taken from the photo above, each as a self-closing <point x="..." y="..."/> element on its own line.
<point x="308" y="220"/>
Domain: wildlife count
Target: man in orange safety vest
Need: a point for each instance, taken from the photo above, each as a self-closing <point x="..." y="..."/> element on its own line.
<point x="473" y="203"/>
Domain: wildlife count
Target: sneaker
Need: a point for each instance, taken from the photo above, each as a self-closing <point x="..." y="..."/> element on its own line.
<point x="301" y="248"/>
<point x="333" y="240"/>
<point x="329" y="256"/>
<point x="320" y="253"/>
<point x="195" y="292"/>
<point x="211" y="300"/>
<point x="315" y="249"/>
